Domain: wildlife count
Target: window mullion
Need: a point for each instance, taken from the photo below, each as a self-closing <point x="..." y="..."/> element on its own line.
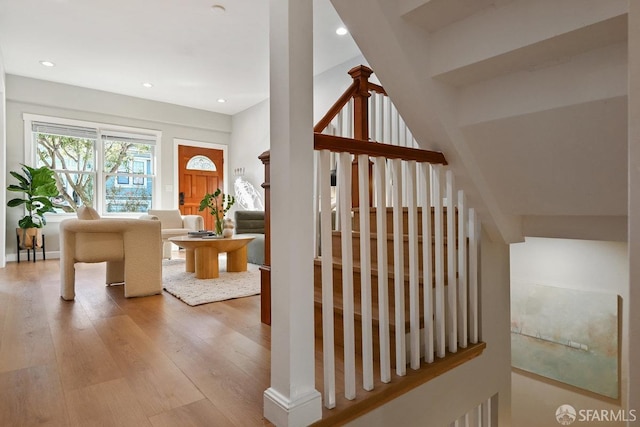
<point x="100" y="174"/>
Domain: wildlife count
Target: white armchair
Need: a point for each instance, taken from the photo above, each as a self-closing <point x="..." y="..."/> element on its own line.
<point x="174" y="224"/>
<point x="130" y="247"/>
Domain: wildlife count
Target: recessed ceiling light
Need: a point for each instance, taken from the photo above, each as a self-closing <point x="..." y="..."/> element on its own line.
<point x="222" y="100"/>
<point x="218" y="9"/>
<point x="147" y="84"/>
<point x="47" y="63"/>
<point x="341" y="31"/>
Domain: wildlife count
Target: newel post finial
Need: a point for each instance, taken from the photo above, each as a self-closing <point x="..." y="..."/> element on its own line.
<point x="361" y="74"/>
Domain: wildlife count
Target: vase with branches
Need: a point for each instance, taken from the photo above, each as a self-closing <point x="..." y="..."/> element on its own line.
<point x="218" y="205"/>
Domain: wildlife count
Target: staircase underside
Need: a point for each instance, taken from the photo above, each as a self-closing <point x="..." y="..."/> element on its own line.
<point x="526" y="99"/>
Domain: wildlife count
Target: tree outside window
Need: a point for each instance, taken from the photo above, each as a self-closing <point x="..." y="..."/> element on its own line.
<point x="126" y="180"/>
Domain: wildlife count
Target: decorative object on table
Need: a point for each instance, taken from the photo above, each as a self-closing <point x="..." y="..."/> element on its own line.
<point x="39" y="188"/>
<point x="193" y="291"/>
<point x="567" y="335"/>
<point x="200" y="233"/>
<point x="218" y="205"/>
<point x="228" y="228"/>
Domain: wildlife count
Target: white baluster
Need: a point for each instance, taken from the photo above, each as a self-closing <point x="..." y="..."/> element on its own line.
<point x="395" y="138"/>
<point x="439" y="260"/>
<point x="462" y="272"/>
<point x="387" y="137"/>
<point x="316" y="194"/>
<point x="474" y="239"/>
<point x="327" y="282"/>
<point x="373" y="117"/>
<point x="349" y="131"/>
<point x="451" y="266"/>
<point x="380" y="168"/>
<point x="380" y="116"/>
<point x="347" y="277"/>
<point x="486" y="413"/>
<point x="427" y="263"/>
<point x="414" y="296"/>
<point x="365" y="272"/>
<point x="398" y="270"/>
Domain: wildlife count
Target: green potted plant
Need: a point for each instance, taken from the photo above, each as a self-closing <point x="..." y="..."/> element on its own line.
<point x="218" y="204"/>
<point x="38" y="187"/>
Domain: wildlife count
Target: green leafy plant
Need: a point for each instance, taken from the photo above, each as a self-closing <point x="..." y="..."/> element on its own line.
<point x="218" y="205"/>
<point x="39" y="187"/>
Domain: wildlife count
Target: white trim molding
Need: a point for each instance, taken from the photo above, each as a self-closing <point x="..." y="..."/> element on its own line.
<point x="284" y="412"/>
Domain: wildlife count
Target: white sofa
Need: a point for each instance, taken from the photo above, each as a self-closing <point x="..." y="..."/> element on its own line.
<point x="132" y="249"/>
<point x="174" y="224"/>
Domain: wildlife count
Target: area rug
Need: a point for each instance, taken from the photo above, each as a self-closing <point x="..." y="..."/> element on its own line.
<point x="192" y="291"/>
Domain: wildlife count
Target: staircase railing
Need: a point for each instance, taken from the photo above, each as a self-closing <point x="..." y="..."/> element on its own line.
<point x="415" y="299"/>
<point x="440" y="239"/>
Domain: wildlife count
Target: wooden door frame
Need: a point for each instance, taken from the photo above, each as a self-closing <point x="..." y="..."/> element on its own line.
<point x="200" y="144"/>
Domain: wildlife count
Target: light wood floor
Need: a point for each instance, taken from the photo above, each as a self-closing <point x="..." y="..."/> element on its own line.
<point x="104" y="360"/>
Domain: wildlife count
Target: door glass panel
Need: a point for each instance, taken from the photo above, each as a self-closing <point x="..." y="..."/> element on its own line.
<point x="201" y="163"/>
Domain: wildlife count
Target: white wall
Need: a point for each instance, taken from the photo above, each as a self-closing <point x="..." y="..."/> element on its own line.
<point x="634" y="201"/>
<point x="572" y="264"/>
<point x="328" y="86"/>
<point x="3" y="164"/>
<point x="449" y="396"/>
<point x="25" y="95"/>
<point x="249" y="139"/>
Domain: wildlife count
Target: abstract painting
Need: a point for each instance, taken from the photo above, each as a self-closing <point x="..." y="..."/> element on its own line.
<point x="567" y="335"/>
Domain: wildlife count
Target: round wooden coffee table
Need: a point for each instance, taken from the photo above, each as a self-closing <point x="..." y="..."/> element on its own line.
<point x="202" y="254"/>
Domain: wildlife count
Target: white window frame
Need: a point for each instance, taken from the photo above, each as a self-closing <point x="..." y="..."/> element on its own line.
<point x="154" y="137"/>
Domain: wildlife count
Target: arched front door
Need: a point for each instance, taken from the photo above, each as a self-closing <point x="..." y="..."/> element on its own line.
<point x="200" y="171"/>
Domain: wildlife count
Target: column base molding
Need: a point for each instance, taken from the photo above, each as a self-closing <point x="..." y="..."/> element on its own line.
<point x="286" y="413"/>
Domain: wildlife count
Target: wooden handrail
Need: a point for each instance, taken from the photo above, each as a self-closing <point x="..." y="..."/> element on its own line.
<point x="377" y="88"/>
<point x="375" y="149"/>
<point x="335" y="109"/>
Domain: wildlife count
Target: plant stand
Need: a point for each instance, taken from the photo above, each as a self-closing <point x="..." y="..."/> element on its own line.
<point x="32" y="248"/>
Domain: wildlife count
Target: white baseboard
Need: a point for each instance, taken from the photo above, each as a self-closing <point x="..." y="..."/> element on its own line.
<point x="23" y="256"/>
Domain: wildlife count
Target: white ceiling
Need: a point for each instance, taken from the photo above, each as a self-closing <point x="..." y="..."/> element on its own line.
<point x="192" y="55"/>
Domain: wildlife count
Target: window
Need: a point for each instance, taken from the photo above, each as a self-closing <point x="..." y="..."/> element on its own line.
<point x="110" y="168"/>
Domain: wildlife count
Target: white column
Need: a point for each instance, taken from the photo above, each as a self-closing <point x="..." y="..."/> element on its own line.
<point x="634" y="204"/>
<point x="292" y="399"/>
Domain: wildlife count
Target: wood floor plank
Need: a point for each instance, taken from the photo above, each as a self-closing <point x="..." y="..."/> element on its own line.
<point x="110" y="403"/>
<point x="25" y="339"/>
<point x="32" y="396"/>
<point x="130" y="361"/>
<point x="219" y="378"/>
<point x="82" y="357"/>
<point x="154" y="378"/>
<point x="202" y="413"/>
<point x="215" y="374"/>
